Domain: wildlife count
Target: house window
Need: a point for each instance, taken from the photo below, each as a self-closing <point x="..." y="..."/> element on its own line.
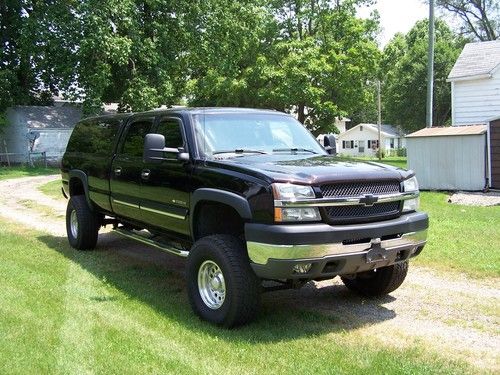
<point x="347" y="144"/>
<point x="392" y="142"/>
<point x="372" y="144"/>
<point x="361" y="128"/>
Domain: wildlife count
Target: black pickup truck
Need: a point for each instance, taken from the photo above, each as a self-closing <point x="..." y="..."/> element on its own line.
<point x="249" y="197"/>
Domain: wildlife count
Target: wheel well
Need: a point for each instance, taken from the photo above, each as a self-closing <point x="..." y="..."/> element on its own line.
<point x="216" y="218"/>
<point x="76" y="187"/>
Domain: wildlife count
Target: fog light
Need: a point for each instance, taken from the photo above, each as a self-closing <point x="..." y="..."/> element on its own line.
<point x="302" y="268"/>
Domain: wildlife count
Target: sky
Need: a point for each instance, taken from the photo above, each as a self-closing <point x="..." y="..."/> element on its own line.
<point x="396" y="16"/>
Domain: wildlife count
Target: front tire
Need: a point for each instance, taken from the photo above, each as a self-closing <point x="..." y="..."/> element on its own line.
<point x="82" y="224"/>
<point x="222" y="287"/>
<point x="378" y="282"/>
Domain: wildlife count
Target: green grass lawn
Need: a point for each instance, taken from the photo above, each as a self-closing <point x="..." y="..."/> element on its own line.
<point x="396" y="161"/>
<point x="64" y="311"/>
<point x="25" y="171"/>
<point x="461" y="238"/>
<point x="52" y="189"/>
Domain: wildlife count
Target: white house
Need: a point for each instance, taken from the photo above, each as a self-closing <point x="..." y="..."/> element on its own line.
<point x="475" y="84"/>
<point x="362" y="139"/>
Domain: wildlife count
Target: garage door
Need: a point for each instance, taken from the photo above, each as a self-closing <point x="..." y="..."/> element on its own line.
<point x="495" y="153"/>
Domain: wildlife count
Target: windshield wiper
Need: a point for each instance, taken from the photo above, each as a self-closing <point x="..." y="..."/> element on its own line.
<point x="294" y="149"/>
<point x="239" y="151"/>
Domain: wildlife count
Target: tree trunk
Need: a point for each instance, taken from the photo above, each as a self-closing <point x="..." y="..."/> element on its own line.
<point x="301" y="116"/>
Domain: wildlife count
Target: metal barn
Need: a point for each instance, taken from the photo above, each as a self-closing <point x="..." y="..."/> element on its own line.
<point x="450" y="158"/>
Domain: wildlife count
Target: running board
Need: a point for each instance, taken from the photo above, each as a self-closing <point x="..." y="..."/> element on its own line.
<point x="149" y="241"/>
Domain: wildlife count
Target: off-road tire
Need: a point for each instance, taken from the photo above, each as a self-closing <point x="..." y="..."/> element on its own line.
<point x="379" y="282"/>
<point x="242" y="286"/>
<point x="88" y="224"/>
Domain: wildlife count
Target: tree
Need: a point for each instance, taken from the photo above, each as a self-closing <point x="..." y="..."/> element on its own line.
<point x="403" y="69"/>
<point x="308" y="57"/>
<point x="480" y="18"/>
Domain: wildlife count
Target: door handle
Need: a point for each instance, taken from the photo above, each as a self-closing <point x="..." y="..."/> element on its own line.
<point x="118" y="171"/>
<point x="145" y="174"/>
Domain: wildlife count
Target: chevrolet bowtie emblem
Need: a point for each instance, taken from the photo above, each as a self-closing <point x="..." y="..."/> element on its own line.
<point x="368" y="200"/>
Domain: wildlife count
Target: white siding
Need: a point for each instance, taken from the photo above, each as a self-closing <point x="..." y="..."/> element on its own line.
<point x="448" y="162"/>
<point x="476" y="101"/>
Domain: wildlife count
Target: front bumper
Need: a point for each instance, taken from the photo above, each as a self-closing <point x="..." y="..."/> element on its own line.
<point x="275" y="250"/>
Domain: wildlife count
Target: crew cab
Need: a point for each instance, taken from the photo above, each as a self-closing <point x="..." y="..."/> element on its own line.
<point x="248" y="196"/>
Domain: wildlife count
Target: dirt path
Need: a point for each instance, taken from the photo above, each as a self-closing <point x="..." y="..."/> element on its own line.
<point x="447" y="312"/>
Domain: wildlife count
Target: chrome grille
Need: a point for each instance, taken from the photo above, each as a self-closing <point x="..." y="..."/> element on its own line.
<point x="361" y="213"/>
<point x="361" y="188"/>
<point x="344" y="214"/>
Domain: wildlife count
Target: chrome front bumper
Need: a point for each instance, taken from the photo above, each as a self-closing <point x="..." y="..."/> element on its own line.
<point x="261" y="253"/>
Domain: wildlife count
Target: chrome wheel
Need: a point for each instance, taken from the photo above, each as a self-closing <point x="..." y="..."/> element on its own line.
<point x="73" y="224"/>
<point x="211" y="285"/>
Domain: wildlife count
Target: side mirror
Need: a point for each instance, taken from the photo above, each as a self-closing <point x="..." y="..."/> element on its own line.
<point x="154" y="150"/>
<point x="330" y="144"/>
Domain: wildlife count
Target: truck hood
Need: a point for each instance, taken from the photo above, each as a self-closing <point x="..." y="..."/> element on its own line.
<point x="311" y="169"/>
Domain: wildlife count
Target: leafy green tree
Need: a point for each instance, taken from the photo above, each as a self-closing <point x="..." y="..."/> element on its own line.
<point x="404" y="71"/>
<point x="309" y="57"/>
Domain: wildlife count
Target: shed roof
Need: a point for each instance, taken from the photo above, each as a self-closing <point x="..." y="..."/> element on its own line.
<point x="449" y="131"/>
<point x="476" y="60"/>
<point x="40" y="117"/>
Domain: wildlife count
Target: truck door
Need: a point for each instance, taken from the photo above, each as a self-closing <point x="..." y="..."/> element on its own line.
<point x="126" y="169"/>
<point x="166" y="184"/>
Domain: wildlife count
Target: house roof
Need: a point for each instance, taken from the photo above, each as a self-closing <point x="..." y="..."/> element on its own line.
<point x="449" y="131"/>
<point x="387" y="130"/>
<point x="477" y="60"/>
<point x="39" y="117"/>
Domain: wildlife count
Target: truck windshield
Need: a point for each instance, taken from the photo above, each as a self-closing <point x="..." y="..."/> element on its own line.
<point x="252" y="133"/>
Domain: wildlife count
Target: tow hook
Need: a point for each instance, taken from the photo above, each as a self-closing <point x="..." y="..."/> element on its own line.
<point x="376" y="252"/>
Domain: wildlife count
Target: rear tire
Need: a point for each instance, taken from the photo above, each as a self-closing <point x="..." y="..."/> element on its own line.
<point x="222" y="287"/>
<point x="378" y="282"/>
<point x="82" y="224"/>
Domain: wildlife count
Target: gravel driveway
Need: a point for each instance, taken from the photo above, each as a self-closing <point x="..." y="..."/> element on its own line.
<point x="449" y="313"/>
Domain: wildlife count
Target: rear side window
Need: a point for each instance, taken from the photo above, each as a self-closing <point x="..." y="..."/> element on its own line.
<point x="96" y="136"/>
<point x="133" y="143"/>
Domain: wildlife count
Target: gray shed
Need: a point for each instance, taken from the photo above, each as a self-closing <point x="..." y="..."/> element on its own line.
<point x="449" y="158"/>
<point x="48" y="129"/>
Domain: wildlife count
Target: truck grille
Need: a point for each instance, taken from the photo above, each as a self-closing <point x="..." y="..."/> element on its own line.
<point x="361" y="213"/>
<point x="355" y="189"/>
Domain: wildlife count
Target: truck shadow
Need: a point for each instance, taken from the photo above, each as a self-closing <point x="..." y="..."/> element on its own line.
<point x="157" y="279"/>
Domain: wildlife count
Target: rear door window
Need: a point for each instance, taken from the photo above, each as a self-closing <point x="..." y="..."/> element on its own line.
<point x="133" y="144"/>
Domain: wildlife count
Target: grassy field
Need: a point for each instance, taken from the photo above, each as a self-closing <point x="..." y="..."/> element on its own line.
<point x="396" y="161"/>
<point x="461" y="238"/>
<point x="25" y="171"/>
<point x="52" y="189"/>
<point x="63" y="311"/>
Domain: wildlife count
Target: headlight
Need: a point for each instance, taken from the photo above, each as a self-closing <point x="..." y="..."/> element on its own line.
<point x="296" y="214"/>
<point x="409" y="185"/>
<point x="292" y="192"/>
